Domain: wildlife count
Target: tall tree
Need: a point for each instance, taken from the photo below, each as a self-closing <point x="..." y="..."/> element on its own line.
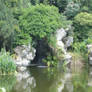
<point x="7" y="24"/>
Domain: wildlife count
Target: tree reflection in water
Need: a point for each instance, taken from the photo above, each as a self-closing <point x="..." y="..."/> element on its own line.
<point x="48" y="80"/>
<point x="7" y="82"/>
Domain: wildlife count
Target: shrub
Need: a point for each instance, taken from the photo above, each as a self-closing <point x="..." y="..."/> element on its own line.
<point x="7" y="65"/>
<point x="22" y="39"/>
<point x="84" y="19"/>
<point x="79" y="47"/>
<point x="50" y="60"/>
<point x="83" y="24"/>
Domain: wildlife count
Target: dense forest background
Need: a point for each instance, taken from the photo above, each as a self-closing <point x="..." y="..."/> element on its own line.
<point x="14" y="29"/>
<point x="30" y="21"/>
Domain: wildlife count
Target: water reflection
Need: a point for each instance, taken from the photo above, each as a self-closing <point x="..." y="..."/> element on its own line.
<point x="25" y="82"/>
<point x="7" y="83"/>
<point x="49" y="80"/>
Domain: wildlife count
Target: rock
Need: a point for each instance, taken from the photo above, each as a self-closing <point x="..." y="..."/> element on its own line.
<point x="60" y="34"/>
<point x="63" y="42"/>
<point x="21" y="69"/>
<point x="90" y="60"/>
<point x="25" y="54"/>
<point x="90" y="77"/>
<point x="67" y="58"/>
<point x="68" y="41"/>
<point x="60" y="44"/>
<point x="89" y="48"/>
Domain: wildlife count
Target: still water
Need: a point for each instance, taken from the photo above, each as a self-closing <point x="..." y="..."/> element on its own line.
<point x="48" y="80"/>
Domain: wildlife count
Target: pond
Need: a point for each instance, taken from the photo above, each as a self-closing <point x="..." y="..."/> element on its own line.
<point x="48" y="80"/>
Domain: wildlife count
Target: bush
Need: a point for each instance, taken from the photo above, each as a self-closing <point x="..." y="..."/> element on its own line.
<point x="22" y="39"/>
<point x="50" y="60"/>
<point x="7" y="65"/>
<point x="79" y="47"/>
<point x="84" y="19"/>
<point x="83" y="24"/>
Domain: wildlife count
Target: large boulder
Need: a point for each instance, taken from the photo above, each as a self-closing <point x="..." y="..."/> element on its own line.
<point x="24" y="55"/>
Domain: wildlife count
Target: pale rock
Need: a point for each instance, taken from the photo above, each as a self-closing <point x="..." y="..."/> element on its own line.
<point x="68" y="41"/>
<point x="60" y="34"/>
<point x="63" y="42"/>
<point x="89" y="48"/>
<point x="25" y="54"/>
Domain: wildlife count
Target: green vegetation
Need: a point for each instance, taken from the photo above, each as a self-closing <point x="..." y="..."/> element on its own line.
<point x="7" y="65"/>
<point x="7" y="25"/>
<point x="30" y="21"/>
<point x="83" y="31"/>
<point x="40" y="21"/>
<point x="7" y="82"/>
<point x="71" y="10"/>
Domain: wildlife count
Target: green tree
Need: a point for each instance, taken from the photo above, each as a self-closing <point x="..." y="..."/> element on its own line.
<point x="71" y="10"/>
<point x="7" y="25"/>
<point x="40" y="21"/>
<point x="83" y="24"/>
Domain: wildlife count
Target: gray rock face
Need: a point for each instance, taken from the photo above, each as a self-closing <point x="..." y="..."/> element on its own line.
<point x="60" y="34"/>
<point x="89" y="47"/>
<point x="68" y="41"/>
<point x="24" y="55"/>
<point x="63" y="42"/>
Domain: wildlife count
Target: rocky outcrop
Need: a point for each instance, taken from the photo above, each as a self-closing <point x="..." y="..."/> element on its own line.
<point x="89" y="48"/>
<point x="64" y="40"/>
<point x="24" y="54"/>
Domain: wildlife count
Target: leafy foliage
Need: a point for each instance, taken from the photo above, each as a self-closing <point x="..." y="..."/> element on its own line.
<point x="7" y="24"/>
<point x="51" y="60"/>
<point x="40" y="21"/>
<point x="6" y="63"/>
<point x="61" y="4"/>
<point x="83" y="23"/>
<point x="7" y="81"/>
<point x="71" y="10"/>
<point x="84" y="19"/>
<point x="22" y="39"/>
<point x="79" y="47"/>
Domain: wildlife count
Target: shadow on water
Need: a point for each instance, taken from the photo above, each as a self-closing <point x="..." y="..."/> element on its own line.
<point x="49" y="80"/>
